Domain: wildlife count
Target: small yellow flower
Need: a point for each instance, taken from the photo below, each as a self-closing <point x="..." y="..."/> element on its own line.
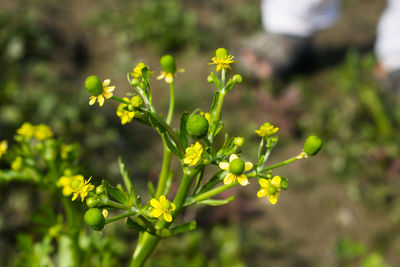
<point x="222" y="59"/>
<point x="270" y="188"/>
<point x="137" y="71"/>
<point x="105" y="213"/>
<point x="125" y="115"/>
<point x="236" y="168"/>
<point x="162" y="206"/>
<point x="168" y="76"/>
<point x="266" y="129"/>
<point x="83" y="189"/>
<point x="16" y="164"/>
<point x="27" y="130"/>
<point x="67" y="182"/>
<point x="3" y="147"/>
<point x="43" y="132"/>
<point x="193" y="154"/>
<point x="106" y="94"/>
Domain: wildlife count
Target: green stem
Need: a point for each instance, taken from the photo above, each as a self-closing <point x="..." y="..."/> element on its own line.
<point x="121" y="216"/>
<point x="280" y="164"/>
<point x="171" y="104"/>
<point x="116" y="98"/>
<point x="146" y="245"/>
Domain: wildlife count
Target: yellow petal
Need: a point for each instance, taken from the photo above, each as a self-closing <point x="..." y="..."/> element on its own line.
<point x="92" y="100"/>
<point x="107" y="95"/>
<point x="100" y="99"/>
<point x="276" y="181"/>
<point x="155" y="204"/>
<point x="161" y="76"/>
<point x="167" y="217"/>
<point x="248" y="166"/>
<point x="232" y="157"/>
<point x="109" y="89"/>
<point x="173" y="207"/>
<point x="169" y="78"/>
<point x="224" y="165"/>
<point x="156" y="213"/>
<point x="273" y="199"/>
<point x="261" y="193"/>
<point x="242" y="179"/>
<point x="106" y="82"/>
<point x="263" y="182"/>
<point x="75" y="196"/>
<point x="229" y="178"/>
<point x="162" y="199"/>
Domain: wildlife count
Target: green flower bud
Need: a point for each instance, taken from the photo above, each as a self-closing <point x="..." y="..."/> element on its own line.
<point x="272" y="190"/>
<point x="137" y="101"/>
<point x="168" y="64"/>
<point x="221" y="53"/>
<point x="94" y="219"/>
<point x="93" y="85"/>
<point x="237" y="78"/>
<point x="312" y="145"/>
<point x="143" y="85"/>
<point x="236" y="166"/>
<point x="210" y="79"/>
<point x="135" y="82"/>
<point x="91" y="202"/>
<point x="99" y="190"/>
<point x="238" y="141"/>
<point x="197" y="126"/>
<point x="284" y="183"/>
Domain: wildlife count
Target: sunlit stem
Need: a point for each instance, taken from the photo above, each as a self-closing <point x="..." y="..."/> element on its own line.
<point x="285" y="162"/>
<point x="123" y="215"/>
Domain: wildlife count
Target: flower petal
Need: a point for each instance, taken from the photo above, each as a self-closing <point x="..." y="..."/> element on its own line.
<point x="232" y="157"/>
<point x="155" y="204"/>
<point x="169" y="78"/>
<point x="224" y="165"/>
<point x="100" y="99"/>
<point x="248" y="166"/>
<point x="92" y="100"/>
<point x="162" y="199"/>
<point x="156" y="213"/>
<point x="106" y="82"/>
<point x="263" y="182"/>
<point x="229" y="178"/>
<point x="276" y="181"/>
<point x="273" y="199"/>
<point x="167" y="217"/>
<point x="242" y="179"/>
<point x="261" y="193"/>
<point x="173" y="207"/>
<point x="161" y="76"/>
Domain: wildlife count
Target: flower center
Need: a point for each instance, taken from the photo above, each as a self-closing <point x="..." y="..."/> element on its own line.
<point x="75" y="184"/>
<point x="272" y="190"/>
<point x="165" y="205"/>
<point x="236" y="166"/>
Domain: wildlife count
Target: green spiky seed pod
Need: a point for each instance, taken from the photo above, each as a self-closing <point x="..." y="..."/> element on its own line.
<point x="168" y="64"/>
<point x="197" y="126"/>
<point x="94" y="219"/>
<point x="312" y="145"/>
<point x="93" y="85"/>
<point x="237" y="166"/>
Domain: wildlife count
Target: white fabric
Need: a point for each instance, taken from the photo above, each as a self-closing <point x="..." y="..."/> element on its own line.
<point x="304" y="17"/>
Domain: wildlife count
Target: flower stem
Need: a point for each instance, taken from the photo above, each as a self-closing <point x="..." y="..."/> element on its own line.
<point x="121" y="216"/>
<point x="285" y="162"/>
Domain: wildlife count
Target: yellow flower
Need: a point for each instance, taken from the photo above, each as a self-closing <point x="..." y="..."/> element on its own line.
<point x="168" y="76"/>
<point x="16" y="164"/>
<point x="3" y="147"/>
<point x="266" y="129"/>
<point x="236" y="168"/>
<point x="193" y="154"/>
<point x="106" y="94"/>
<point x="42" y="132"/>
<point x="67" y="182"/>
<point x="222" y="59"/>
<point x="162" y="206"/>
<point x="270" y="188"/>
<point x="137" y="71"/>
<point x="26" y="130"/>
<point x="125" y="115"/>
<point x="82" y="189"/>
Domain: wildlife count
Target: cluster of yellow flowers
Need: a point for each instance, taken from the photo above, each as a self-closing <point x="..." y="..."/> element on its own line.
<point x="75" y="184"/>
<point x="40" y="132"/>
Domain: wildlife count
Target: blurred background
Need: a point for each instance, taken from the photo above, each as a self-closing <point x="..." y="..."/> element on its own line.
<point x="342" y="207"/>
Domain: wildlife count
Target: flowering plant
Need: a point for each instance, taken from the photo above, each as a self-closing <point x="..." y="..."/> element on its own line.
<point x="193" y="144"/>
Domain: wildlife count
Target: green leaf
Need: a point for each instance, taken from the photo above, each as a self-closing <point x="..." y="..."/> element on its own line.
<point x="134" y="225"/>
<point x="116" y="193"/>
<point x="171" y="146"/>
<point x="217" y="202"/>
<point x="168" y="183"/>
<point x="151" y="189"/>
<point x="183" y="136"/>
<point x="215" y="80"/>
<point x="125" y="175"/>
<point x="186" y="227"/>
<point x="214" y="105"/>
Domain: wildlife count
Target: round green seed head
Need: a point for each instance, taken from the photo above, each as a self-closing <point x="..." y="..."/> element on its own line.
<point x="284" y="183"/>
<point x="197" y="126"/>
<point x="221" y="53"/>
<point x="168" y="64"/>
<point x="312" y="145"/>
<point x="236" y="167"/>
<point x="94" y="219"/>
<point x="93" y="85"/>
<point x="272" y="190"/>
